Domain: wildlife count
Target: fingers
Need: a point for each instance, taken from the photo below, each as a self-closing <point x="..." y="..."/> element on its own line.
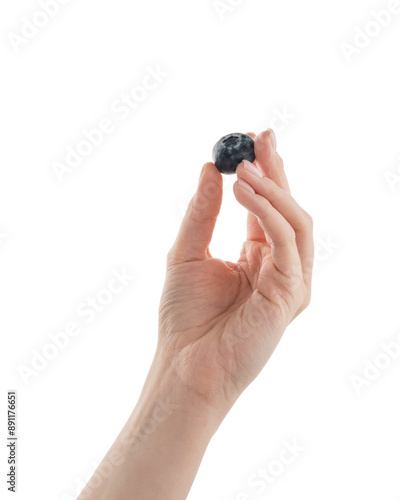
<point x="298" y="219"/>
<point x="254" y="230"/>
<point x="278" y="232"/>
<point x="269" y="160"/>
<point x="197" y="227"/>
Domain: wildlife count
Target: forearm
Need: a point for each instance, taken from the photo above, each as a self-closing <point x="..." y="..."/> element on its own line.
<point x="159" y="450"/>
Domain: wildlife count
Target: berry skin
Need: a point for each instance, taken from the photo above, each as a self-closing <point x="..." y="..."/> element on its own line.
<point x="230" y="150"/>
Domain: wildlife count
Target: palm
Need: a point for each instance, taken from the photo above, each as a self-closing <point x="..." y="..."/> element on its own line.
<point x="205" y="312"/>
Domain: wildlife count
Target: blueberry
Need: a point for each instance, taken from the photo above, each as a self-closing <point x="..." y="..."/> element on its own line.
<point x="230" y="150"/>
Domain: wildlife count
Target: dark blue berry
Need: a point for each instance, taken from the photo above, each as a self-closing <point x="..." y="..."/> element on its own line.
<point x="230" y="150"/>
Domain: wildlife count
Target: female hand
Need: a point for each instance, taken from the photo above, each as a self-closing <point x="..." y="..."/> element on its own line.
<point x="219" y="321"/>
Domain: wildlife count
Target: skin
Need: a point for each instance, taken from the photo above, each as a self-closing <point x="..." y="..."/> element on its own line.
<point x="219" y="323"/>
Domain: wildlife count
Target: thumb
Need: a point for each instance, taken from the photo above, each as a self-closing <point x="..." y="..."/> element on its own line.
<point x="197" y="227"/>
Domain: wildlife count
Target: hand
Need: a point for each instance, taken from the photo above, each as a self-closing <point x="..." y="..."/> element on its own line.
<point x="219" y="321"/>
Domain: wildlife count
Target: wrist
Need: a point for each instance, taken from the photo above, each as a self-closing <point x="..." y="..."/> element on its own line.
<point x="170" y="395"/>
<point x="162" y="444"/>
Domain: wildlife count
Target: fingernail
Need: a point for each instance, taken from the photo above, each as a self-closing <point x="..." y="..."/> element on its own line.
<point x="252" y="168"/>
<point x="268" y="135"/>
<point x="272" y="138"/>
<point x="246" y="186"/>
<point x="263" y="136"/>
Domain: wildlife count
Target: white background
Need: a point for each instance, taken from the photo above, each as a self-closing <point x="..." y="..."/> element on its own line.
<point x="122" y="206"/>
